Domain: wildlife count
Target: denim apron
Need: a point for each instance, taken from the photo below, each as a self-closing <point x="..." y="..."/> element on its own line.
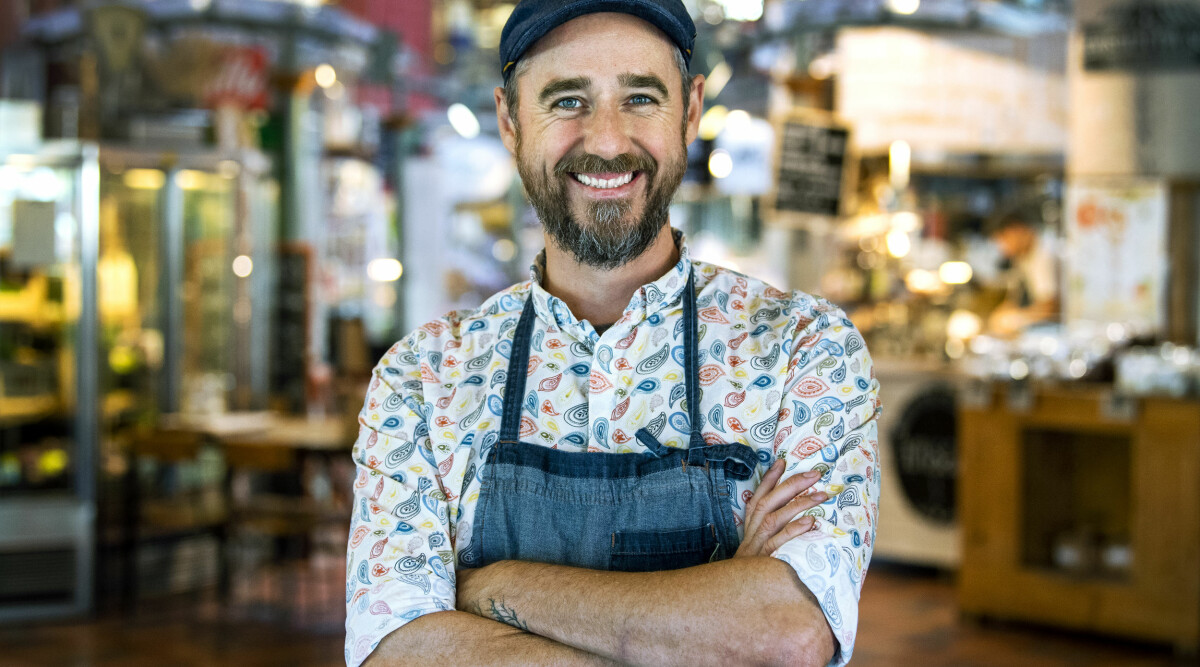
<point x="663" y="509"/>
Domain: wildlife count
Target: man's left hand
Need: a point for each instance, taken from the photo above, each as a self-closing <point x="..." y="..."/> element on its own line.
<point x="770" y="511"/>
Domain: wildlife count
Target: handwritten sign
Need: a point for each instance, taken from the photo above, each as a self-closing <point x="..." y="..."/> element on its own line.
<point x="1144" y="35"/>
<point x="811" y="165"/>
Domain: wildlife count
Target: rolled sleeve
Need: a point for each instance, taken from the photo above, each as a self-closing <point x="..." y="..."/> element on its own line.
<point x="828" y="422"/>
<point x="399" y="559"/>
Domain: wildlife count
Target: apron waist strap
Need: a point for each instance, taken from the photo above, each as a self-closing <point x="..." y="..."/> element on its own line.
<point x="738" y="460"/>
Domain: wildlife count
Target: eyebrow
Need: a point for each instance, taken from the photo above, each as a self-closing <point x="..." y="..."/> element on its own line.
<point x="644" y="81"/>
<point x="559" y="86"/>
<point x="563" y="85"/>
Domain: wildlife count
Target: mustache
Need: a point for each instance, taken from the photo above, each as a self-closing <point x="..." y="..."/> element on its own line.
<point x="587" y="163"/>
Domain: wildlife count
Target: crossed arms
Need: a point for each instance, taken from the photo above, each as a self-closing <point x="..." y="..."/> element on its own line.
<point x="751" y="609"/>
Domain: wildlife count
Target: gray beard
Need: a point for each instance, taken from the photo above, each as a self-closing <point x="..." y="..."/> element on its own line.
<point x="605" y="239"/>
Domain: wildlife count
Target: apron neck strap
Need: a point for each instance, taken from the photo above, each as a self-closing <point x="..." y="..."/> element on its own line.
<point x="518" y="369"/>
<point x="691" y="359"/>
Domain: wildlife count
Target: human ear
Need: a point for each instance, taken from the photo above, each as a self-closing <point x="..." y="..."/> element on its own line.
<point x="508" y="128"/>
<point x="695" y="108"/>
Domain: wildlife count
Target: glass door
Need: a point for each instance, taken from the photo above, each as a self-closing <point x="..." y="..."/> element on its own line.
<point x="209" y="286"/>
<point x="48" y="407"/>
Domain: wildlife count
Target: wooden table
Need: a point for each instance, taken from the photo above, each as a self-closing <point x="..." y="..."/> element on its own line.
<point x="268" y="429"/>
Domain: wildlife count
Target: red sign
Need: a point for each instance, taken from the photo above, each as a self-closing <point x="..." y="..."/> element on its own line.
<point x="241" y="80"/>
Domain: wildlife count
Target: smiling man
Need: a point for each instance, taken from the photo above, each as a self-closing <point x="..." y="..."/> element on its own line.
<point x="633" y="457"/>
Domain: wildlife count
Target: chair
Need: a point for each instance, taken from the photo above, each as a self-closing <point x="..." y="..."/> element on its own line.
<point x="269" y="499"/>
<point x="173" y="493"/>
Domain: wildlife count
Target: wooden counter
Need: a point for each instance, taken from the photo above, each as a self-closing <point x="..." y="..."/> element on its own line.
<point x="1035" y="462"/>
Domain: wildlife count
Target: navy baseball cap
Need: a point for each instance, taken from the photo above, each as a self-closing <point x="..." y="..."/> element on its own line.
<point x="531" y="20"/>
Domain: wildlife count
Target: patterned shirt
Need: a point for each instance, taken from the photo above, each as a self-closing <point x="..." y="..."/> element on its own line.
<point x="785" y="373"/>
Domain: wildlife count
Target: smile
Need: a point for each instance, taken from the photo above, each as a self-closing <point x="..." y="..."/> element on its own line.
<point x="605" y="181"/>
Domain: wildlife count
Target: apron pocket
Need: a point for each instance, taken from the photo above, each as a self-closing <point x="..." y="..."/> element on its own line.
<point x="654" y="551"/>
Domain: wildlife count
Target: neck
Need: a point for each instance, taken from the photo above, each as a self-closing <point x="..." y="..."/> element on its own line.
<point x="600" y="296"/>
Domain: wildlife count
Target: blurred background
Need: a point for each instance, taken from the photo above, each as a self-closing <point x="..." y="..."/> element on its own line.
<point x="216" y="215"/>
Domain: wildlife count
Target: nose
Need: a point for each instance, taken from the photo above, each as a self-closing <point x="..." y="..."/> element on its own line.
<point x="605" y="134"/>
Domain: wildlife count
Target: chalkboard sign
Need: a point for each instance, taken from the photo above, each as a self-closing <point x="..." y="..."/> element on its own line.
<point x="1144" y="35"/>
<point x="812" y="165"/>
<point x="289" y="351"/>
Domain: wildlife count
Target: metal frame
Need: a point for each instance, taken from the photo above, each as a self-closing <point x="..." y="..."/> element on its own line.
<point x="69" y="520"/>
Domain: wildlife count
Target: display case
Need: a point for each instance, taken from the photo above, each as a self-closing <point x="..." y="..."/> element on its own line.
<point x="133" y="283"/>
<point x="49" y="402"/>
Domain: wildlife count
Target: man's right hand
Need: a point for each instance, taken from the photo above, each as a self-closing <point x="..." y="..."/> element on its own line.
<point x="770" y="511"/>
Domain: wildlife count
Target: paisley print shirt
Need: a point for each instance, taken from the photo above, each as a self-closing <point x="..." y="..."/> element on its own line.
<point x="784" y="373"/>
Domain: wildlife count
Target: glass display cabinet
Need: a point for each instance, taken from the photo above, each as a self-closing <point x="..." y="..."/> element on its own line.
<point x="133" y="283"/>
<point x="48" y="380"/>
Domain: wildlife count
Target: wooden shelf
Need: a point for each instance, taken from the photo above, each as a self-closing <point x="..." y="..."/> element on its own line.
<point x="22" y="409"/>
<point x="1139" y="472"/>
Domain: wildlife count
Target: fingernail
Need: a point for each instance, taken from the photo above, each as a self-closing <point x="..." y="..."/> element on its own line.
<point x="812" y="474"/>
<point x="820" y="496"/>
<point x="777" y="464"/>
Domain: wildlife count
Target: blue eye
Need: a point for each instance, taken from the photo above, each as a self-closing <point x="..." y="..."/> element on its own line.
<point x="641" y="99"/>
<point x="568" y="103"/>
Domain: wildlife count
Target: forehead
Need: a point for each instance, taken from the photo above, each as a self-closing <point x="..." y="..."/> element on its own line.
<point x="601" y="46"/>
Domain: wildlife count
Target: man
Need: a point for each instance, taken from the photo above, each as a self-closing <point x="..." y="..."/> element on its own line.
<point x="1031" y="272"/>
<point x="606" y="464"/>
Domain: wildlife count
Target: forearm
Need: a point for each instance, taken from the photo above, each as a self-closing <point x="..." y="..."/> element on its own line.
<point x="459" y="638"/>
<point x="739" y="611"/>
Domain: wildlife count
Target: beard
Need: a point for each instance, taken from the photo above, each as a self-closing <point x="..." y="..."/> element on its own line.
<point x="608" y="235"/>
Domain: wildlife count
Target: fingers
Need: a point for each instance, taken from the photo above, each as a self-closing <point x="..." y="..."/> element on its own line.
<point x="765" y="486"/>
<point x="774" y="505"/>
<point x="793" y="529"/>
<point x="776" y="521"/>
<point x="768" y="497"/>
<point x="787" y="490"/>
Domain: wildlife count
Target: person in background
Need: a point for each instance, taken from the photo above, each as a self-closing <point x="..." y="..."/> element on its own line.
<point x="1030" y="272"/>
<point x="632" y="457"/>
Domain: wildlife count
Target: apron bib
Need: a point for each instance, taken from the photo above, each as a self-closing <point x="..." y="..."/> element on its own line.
<point x="663" y="509"/>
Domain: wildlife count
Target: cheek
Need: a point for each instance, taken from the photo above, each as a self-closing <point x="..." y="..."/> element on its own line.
<point x="667" y="149"/>
<point x="554" y="141"/>
<point x="665" y="141"/>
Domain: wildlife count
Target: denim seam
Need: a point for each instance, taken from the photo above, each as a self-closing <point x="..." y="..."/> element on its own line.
<point x="576" y="498"/>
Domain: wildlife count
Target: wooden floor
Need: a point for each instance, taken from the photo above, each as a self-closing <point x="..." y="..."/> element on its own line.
<point x="907" y="618"/>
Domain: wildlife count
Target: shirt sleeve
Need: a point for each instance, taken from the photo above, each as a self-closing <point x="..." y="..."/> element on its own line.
<point x="399" y="560"/>
<point x="828" y="422"/>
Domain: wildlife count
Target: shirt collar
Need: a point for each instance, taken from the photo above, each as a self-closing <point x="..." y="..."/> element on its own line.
<point x="650" y="298"/>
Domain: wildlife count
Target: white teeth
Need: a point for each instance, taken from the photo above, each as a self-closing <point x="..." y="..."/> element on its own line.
<point x="604" y="184"/>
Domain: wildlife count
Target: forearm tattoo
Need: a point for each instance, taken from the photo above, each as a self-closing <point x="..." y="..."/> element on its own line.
<point x="505" y="614"/>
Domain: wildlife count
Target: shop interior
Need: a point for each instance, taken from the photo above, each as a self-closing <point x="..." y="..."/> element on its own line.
<point x="216" y="216"/>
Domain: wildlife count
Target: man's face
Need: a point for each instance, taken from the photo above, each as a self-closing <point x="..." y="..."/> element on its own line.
<point x="601" y="138"/>
<point x="1014" y="240"/>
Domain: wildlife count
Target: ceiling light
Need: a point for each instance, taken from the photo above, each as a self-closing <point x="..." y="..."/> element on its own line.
<point x="325" y="75"/>
<point x="720" y="163"/>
